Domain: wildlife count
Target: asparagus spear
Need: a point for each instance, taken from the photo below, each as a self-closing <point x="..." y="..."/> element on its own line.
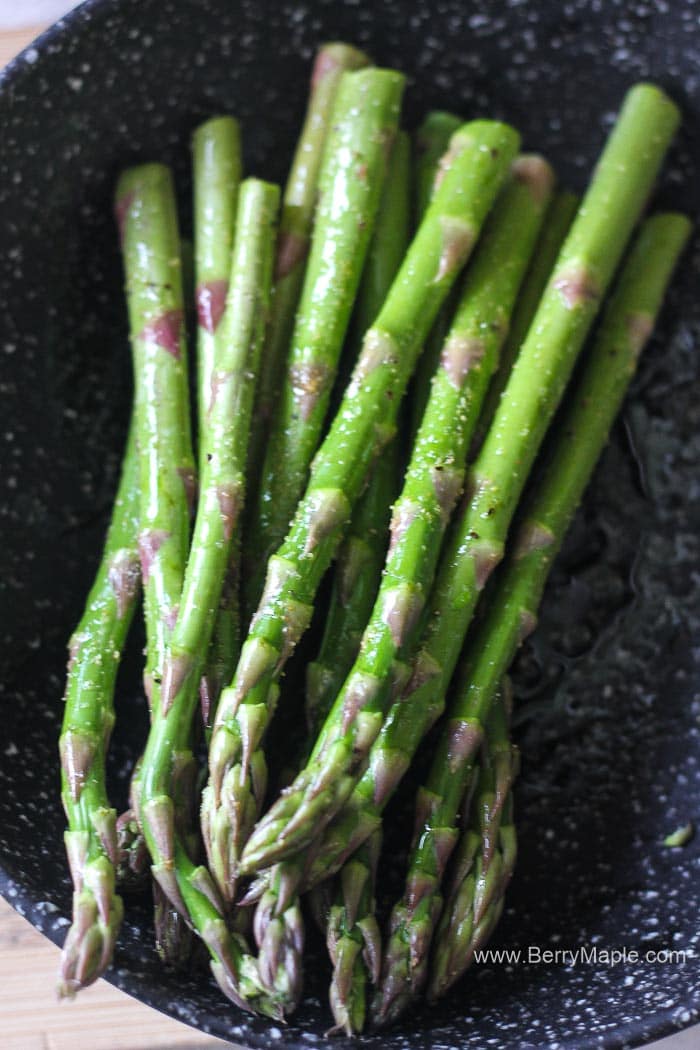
<point x="581" y="276"/>
<point x="353" y="938"/>
<point x="279" y="924"/>
<point x="95" y="649"/>
<point x="477" y="164"/>
<point x="216" y="154"/>
<point x="555" y="227"/>
<point x="484" y="856"/>
<point x="145" y="201"/>
<point x="361" y="557"/>
<point x="296" y="222"/>
<point x="431" y="140"/>
<point x="512" y="609"/>
<point x="363" y="126"/>
<point x="432" y="484"/>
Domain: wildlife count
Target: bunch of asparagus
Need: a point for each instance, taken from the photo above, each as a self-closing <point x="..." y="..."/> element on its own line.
<point x="459" y="273"/>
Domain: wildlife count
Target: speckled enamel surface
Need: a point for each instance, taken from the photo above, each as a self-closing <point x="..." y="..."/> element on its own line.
<point x="607" y="687"/>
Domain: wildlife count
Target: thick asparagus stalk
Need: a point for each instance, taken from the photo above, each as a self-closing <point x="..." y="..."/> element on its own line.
<point x="95" y="648"/>
<point x="364" y="423"/>
<point x="296" y="222"/>
<point x="556" y="225"/>
<point x="360" y="559"/>
<point x="279" y="924"/>
<point x="512" y="606"/>
<point x="431" y="141"/>
<point x="353" y="938"/>
<point x="432" y="485"/>
<point x="217" y="164"/>
<point x="484" y="856"/>
<point x="363" y="127"/>
<point x="168" y="762"/>
<point x="618" y="192"/>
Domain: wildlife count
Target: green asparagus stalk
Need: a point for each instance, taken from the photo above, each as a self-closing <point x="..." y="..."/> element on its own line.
<point x="512" y="608"/>
<point x="216" y="155"/>
<point x="88" y="718"/>
<point x="363" y="127"/>
<point x="557" y="223"/>
<point x="296" y="223"/>
<point x="360" y="559"/>
<point x="365" y="422"/>
<point x="279" y="924"/>
<point x="625" y="175"/>
<point x="432" y="485"/>
<point x="168" y="763"/>
<point x="484" y="856"/>
<point x="217" y="164"/>
<point x="353" y="938"/>
<point x="431" y="141"/>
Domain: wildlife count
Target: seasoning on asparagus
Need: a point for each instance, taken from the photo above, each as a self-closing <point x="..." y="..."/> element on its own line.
<point x="145" y="201"/>
<point x="581" y="276"/>
<point x="364" y="424"/>
<point x="512" y="608"/>
<point x="430" y="143"/>
<point x="296" y="222"/>
<point x="279" y="924"/>
<point x="484" y="856"/>
<point x="432" y="485"/>
<point x="556" y="225"/>
<point x="353" y="938"/>
<point x="217" y="164"/>
<point x="95" y="649"/>
<point x="363" y="126"/>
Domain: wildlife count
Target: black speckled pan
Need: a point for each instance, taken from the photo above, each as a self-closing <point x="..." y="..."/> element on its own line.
<point x="608" y="687"/>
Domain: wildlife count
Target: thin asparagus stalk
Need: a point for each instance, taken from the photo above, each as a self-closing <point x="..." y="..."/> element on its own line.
<point x="484" y="856"/>
<point x="216" y="156"/>
<point x="512" y="608"/>
<point x="618" y="192"/>
<point x="146" y="214"/>
<point x="145" y="202"/>
<point x="557" y="223"/>
<point x="217" y="165"/>
<point x="353" y="938"/>
<point x="279" y="924"/>
<point x="365" y="422"/>
<point x="431" y="141"/>
<point x="95" y="649"/>
<point x="296" y="223"/>
<point x="363" y="127"/>
<point x="432" y="485"/>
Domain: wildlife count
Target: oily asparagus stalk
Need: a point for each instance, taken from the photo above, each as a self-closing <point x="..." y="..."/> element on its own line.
<point x="216" y="157"/>
<point x="432" y="485"/>
<point x="484" y="856"/>
<point x="95" y="648"/>
<point x="217" y="164"/>
<point x="147" y="219"/>
<point x="365" y="422"/>
<point x="620" y="187"/>
<point x="353" y="938"/>
<point x="512" y="607"/>
<point x="168" y="763"/>
<point x="363" y="127"/>
<point x="296" y="222"/>
<point x="431" y="141"/>
<point x="279" y="924"/>
<point x="556" y="225"/>
<point x="360" y="559"/>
